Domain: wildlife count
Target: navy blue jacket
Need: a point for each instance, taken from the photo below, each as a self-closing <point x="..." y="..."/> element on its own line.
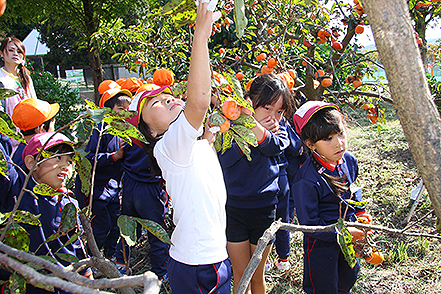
<point x="292" y="157"/>
<point x="314" y="200"/>
<point x="17" y="157"/>
<point x="254" y="184"/>
<point x="7" y="187"/>
<point x="137" y="167"/>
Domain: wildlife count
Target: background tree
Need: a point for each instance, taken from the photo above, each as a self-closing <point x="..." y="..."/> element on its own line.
<point x="82" y="17"/>
<point x="391" y="25"/>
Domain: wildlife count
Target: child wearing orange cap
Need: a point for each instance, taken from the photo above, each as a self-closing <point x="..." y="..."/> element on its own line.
<point x="198" y="257"/>
<point x="32" y="116"/>
<point x="108" y="174"/>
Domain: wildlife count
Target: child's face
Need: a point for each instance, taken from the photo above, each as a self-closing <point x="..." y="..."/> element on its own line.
<point x="54" y="171"/>
<point x="332" y="148"/>
<point x="273" y="111"/>
<point x="121" y="106"/>
<point x="12" y="54"/>
<point x="160" y="111"/>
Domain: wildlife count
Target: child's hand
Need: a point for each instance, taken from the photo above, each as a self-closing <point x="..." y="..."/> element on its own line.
<point x="271" y="124"/>
<point x="356" y="233"/>
<point x="209" y="136"/>
<point x="120" y="153"/>
<point x="206" y="16"/>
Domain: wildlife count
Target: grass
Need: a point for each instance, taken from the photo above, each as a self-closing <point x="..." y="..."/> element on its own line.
<point x="387" y="169"/>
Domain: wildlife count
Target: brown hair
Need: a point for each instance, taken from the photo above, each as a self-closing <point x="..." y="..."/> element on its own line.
<point x="23" y="72"/>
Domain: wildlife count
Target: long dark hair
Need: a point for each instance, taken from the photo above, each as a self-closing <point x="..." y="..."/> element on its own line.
<point x="266" y="90"/>
<point x="23" y="72"/>
<point x="321" y="125"/>
<point x="148" y="148"/>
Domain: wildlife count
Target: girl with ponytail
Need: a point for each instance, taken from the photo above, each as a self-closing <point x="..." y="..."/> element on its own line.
<point x="14" y="75"/>
<point x="320" y="189"/>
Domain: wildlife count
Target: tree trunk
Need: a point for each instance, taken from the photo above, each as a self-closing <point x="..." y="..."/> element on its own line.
<point x="97" y="71"/>
<point x="421" y="122"/>
<point x="91" y="27"/>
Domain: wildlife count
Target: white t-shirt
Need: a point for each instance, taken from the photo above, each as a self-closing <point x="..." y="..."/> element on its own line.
<point x="195" y="183"/>
<point x="12" y="82"/>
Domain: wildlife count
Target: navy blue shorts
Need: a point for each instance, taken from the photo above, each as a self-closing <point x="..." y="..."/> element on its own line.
<point x="201" y="279"/>
<point x="249" y="224"/>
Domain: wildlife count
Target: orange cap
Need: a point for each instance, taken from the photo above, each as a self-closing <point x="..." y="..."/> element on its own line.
<point x="106" y="85"/>
<point x="31" y="113"/>
<point x="120" y="81"/>
<point x="110" y="93"/>
<point x="131" y="84"/>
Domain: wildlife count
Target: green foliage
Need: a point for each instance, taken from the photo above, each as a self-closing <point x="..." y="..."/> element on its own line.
<point x="344" y="240"/>
<point x="50" y="89"/>
<point x="8" y="128"/>
<point x="127" y="225"/>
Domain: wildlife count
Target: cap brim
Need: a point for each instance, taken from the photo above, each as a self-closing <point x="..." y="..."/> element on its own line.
<point x="55" y="107"/>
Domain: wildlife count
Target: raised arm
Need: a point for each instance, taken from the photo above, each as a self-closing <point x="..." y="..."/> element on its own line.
<point x="199" y="77"/>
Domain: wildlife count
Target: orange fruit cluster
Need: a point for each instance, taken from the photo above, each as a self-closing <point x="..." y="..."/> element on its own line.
<point x="371" y="112"/>
<point x="355" y="81"/>
<point x="323" y="79"/>
<point x="231" y="109"/>
<point x="163" y="77"/>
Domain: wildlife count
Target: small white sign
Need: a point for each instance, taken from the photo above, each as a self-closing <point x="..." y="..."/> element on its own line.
<point x="75" y="75"/>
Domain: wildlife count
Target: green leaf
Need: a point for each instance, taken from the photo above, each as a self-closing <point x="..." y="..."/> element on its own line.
<point x="68" y="218"/>
<point x="218" y="142"/>
<point x="3" y="166"/>
<point x="17" y="284"/>
<point x="21" y="216"/>
<point x="84" y="169"/>
<point x="245" y="120"/>
<point x="122" y="114"/>
<point x="67" y="257"/>
<point x="179" y="88"/>
<point x="82" y="130"/>
<point x="246" y="134"/>
<point x="217" y="119"/>
<point x="6" y="93"/>
<point x="155" y="229"/>
<point x="16" y="237"/>
<point x="97" y="115"/>
<point x="227" y="140"/>
<point x="127" y="227"/>
<point x="344" y="240"/>
<point x="240" y="19"/>
<point x="8" y="128"/>
<point x="91" y="104"/>
<point x="181" y="12"/>
<point x="237" y="89"/>
<point x="123" y="129"/>
<point x="243" y="145"/>
<point x="45" y="190"/>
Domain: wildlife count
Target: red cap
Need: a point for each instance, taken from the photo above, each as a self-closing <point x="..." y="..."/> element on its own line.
<point x="139" y="99"/>
<point x="132" y="84"/>
<point x="307" y="110"/>
<point x="31" y="113"/>
<point x="36" y="143"/>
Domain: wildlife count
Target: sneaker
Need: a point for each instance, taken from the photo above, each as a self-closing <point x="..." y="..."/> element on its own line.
<point x="282" y="265"/>
<point x="163" y="278"/>
<point x="267" y="265"/>
<point x="123" y="269"/>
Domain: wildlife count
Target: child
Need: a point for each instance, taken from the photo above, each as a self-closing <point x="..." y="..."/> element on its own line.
<point x="198" y="257"/>
<point x="108" y="175"/>
<point x="32" y="116"/>
<point x="52" y="172"/>
<point x="321" y="185"/>
<point x="252" y="186"/>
